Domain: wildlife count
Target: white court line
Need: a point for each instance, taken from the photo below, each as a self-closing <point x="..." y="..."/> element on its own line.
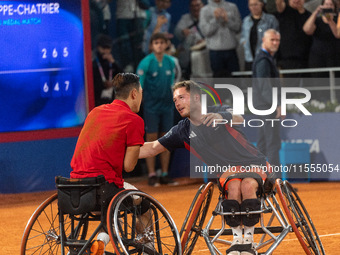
<point x="225" y="247"/>
<point x="336" y="234"/>
<point x="34" y="70"/>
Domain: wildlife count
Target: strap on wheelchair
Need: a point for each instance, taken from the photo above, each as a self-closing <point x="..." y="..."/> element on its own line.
<point x="241" y="248"/>
<point x="93" y="181"/>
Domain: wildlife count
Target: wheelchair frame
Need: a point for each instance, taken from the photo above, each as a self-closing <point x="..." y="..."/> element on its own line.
<point x="56" y="231"/>
<point x="297" y="221"/>
<point x="51" y="231"/>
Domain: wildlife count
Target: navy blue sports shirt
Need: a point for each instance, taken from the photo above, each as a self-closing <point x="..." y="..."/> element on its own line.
<point x="222" y="145"/>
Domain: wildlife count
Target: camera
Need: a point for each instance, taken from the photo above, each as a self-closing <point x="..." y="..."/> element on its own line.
<point x="327" y="10"/>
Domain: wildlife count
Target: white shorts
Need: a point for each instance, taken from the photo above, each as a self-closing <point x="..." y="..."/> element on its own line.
<point x="130" y="186"/>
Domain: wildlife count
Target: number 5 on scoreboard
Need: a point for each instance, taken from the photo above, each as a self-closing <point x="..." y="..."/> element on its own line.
<point x="65" y="52"/>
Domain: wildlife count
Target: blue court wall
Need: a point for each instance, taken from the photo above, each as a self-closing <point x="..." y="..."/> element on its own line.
<point x="32" y="165"/>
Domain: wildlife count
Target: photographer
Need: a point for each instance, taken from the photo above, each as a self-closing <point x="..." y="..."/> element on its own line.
<point x="325" y="50"/>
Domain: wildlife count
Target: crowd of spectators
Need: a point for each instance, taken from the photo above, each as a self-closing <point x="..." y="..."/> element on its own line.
<point x="309" y="34"/>
<point x="217" y="25"/>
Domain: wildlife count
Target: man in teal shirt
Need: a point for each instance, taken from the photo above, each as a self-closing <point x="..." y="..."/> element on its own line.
<point x="157" y="75"/>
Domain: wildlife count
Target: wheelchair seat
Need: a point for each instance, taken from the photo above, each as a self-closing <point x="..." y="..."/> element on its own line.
<point x="78" y="196"/>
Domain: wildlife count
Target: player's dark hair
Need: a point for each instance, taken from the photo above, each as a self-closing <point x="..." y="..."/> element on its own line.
<point x="190" y="86"/>
<point x="123" y="83"/>
<point x="157" y="36"/>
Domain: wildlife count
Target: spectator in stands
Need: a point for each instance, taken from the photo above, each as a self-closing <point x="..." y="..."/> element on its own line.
<point x="338" y="23"/>
<point x="157" y="75"/>
<point x="325" y="50"/>
<point x="270" y="6"/>
<point x="104" y="69"/>
<point x="106" y="16"/>
<point x="96" y="20"/>
<point x="219" y="22"/>
<point x="253" y="28"/>
<point x="188" y="34"/>
<point x="268" y="140"/>
<point x="159" y="22"/>
<point x="130" y="17"/>
<point x="295" y="44"/>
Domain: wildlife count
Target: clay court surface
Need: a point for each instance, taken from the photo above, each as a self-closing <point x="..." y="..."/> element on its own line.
<point x="320" y="198"/>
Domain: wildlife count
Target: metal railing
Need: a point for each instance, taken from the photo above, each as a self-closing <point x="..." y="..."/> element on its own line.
<point x="331" y="70"/>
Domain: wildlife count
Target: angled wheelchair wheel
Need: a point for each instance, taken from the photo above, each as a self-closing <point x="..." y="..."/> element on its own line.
<point x="42" y="232"/>
<point x="198" y="193"/>
<point x="139" y="224"/>
<point x="195" y="224"/>
<point x="299" y="218"/>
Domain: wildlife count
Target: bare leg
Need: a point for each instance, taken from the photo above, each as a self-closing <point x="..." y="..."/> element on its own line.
<point x="234" y="191"/>
<point x="144" y="222"/>
<point x="249" y="187"/>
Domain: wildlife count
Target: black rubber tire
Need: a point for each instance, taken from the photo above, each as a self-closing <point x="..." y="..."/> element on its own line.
<point x="123" y="215"/>
<point x="299" y="219"/>
<point x="42" y="232"/>
<point x="195" y="224"/>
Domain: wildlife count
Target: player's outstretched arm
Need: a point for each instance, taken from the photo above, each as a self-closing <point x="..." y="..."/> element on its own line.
<point x="151" y="149"/>
<point x="131" y="157"/>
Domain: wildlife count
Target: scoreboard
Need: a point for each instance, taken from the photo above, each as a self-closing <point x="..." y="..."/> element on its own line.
<point x="42" y="65"/>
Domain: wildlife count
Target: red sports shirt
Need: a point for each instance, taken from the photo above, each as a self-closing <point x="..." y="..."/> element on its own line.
<point x="108" y="130"/>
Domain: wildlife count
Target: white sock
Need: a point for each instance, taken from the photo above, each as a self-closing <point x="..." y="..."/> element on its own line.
<point x="237" y="232"/>
<point x="104" y="237"/>
<point x="249" y="233"/>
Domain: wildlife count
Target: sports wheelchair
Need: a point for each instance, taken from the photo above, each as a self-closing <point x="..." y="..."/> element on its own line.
<point x="60" y="225"/>
<point x="295" y="219"/>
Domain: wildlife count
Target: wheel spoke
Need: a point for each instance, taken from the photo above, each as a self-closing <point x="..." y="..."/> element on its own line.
<point x="299" y="218"/>
<point x="196" y="220"/>
<point x="42" y="233"/>
<point x="157" y="233"/>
